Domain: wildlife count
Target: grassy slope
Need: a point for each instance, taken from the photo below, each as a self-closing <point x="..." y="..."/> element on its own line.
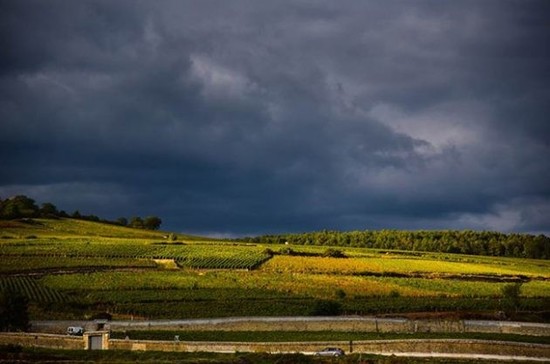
<point x="72" y="228"/>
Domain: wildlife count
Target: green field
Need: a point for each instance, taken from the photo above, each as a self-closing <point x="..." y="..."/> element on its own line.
<point x="304" y="336"/>
<point x="73" y="269"/>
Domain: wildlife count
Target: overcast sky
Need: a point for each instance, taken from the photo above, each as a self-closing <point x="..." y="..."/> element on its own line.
<point x="240" y="118"/>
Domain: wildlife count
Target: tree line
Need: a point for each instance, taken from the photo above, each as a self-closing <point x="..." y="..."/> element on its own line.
<point x="449" y="241"/>
<point x="21" y="206"/>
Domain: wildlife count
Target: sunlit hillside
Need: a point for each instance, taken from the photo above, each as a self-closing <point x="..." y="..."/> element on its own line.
<point x="70" y="268"/>
<point x="66" y="227"/>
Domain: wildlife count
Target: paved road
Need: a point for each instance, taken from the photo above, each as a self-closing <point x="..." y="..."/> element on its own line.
<point x="466" y="356"/>
<point x="338" y="322"/>
<point x="219" y="321"/>
<point x="346" y="323"/>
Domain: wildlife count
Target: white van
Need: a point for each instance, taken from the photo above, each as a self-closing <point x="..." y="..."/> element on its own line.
<point x="75" y="330"/>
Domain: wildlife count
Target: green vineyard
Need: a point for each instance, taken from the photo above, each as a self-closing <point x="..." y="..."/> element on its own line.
<point x="31" y="288"/>
<point x="200" y="256"/>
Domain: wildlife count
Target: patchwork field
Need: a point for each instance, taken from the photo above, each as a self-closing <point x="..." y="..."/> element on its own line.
<point x="75" y="269"/>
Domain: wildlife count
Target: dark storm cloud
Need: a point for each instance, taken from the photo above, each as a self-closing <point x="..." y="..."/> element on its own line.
<point x="255" y="117"/>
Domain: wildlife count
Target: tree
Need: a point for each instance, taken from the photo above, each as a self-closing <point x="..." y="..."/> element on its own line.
<point x="48" y="209"/>
<point x="152" y="223"/>
<point x="122" y="221"/>
<point x="511" y="296"/>
<point x="18" y="207"/>
<point x="537" y="247"/>
<point x="13" y="311"/>
<point x="91" y="218"/>
<point x="10" y="211"/>
<point x="136" y="222"/>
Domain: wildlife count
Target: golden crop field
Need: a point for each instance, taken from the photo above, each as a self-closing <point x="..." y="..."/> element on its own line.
<point x="397" y="264"/>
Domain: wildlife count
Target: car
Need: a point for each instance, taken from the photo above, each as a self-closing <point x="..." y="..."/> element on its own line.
<point x="330" y="352"/>
<point x="75" y="330"/>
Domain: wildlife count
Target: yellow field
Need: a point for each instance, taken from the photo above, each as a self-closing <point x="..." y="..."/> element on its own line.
<point x="395" y="264"/>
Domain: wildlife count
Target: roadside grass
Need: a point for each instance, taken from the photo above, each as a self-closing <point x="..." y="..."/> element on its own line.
<point x="18" y="354"/>
<point x="305" y="336"/>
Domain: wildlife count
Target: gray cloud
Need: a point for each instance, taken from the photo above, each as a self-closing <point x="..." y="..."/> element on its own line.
<point x="255" y="117"/>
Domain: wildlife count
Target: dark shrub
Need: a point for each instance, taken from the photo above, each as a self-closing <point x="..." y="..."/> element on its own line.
<point x="326" y="308"/>
<point x="102" y="316"/>
<point x="334" y="253"/>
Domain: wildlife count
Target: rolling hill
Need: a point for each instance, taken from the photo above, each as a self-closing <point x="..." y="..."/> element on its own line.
<point x="71" y="268"/>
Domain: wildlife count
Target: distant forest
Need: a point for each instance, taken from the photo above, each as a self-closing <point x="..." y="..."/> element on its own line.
<point x="488" y="243"/>
<point x="20" y="207"/>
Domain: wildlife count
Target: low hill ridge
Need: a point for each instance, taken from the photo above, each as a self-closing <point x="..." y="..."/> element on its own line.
<point x="68" y="227"/>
